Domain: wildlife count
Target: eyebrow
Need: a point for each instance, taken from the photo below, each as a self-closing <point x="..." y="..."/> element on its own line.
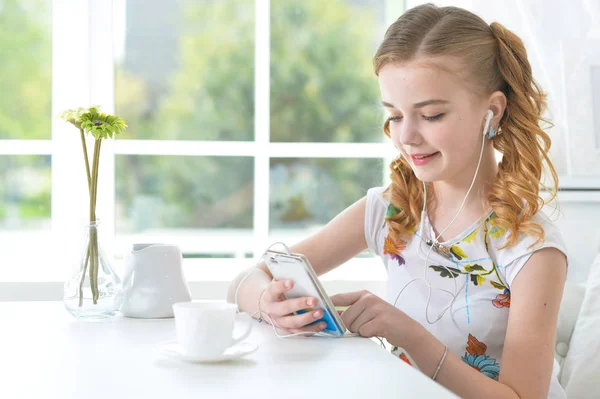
<point x="419" y="105"/>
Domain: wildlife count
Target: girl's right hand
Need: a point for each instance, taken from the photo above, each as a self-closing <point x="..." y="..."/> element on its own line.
<point x="278" y="310"/>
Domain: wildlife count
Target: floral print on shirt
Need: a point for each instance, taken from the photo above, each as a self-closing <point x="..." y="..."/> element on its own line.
<point x="477" y="274"/>
<point x="502" y="300"/>
<point x="391" y="211"/>
<point x="475" y="357"/>
<point x="391" y="247"/>
<point x="494" y="230"/>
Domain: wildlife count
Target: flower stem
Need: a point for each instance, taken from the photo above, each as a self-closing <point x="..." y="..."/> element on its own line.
<point x="89" y="180"/>
<point x="87" y="259"/>
<point x="94" y="232"/>
<point x="94" y="266"/>
<point x="498" y="275"/>
<point x="85" y="157"/>
<point x="94" y="181"/>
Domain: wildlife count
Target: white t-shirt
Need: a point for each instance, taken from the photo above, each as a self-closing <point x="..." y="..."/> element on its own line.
<point x="474" y="328"/>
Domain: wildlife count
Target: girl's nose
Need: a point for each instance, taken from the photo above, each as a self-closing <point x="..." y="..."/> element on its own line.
<point x="406" y="134"/>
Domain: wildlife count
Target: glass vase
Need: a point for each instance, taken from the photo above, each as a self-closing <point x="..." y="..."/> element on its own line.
<point x="94" y="290"/>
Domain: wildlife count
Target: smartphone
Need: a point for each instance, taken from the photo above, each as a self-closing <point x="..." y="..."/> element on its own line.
<point x="296" y="267"/>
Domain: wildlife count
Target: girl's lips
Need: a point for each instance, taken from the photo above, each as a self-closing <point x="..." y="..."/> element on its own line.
<point x="422" y="159"/>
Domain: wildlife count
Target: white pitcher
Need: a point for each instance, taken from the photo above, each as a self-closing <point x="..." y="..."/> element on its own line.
<point x="153" y="281"/>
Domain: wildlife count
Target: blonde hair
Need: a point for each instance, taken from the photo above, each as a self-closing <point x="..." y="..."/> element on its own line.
<point x="493" y="59"/>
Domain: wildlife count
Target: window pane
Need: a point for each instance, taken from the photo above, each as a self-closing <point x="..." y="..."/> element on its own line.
<point x="185" y="70"/>
<point x="307" y="193"/>
<point x="323" y="88"/>
<point x="24" y="192"/>
<point x="25" y="69"/>
<point x="204" y="204"/>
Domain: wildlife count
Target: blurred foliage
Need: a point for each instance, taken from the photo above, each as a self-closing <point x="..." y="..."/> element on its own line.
<point x="25" y="69"/>
<point x="25" y="113"/>
<point x="24" y="191"/>
<point x="180" y="192"/>
<point x="322" y="89"/>
<point x="309" y="192"/>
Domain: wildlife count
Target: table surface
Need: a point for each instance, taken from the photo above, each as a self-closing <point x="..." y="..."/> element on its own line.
<point x="46" y="353"/>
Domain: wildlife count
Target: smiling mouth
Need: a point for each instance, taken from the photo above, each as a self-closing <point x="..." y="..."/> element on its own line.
<point x="422" y="156"/>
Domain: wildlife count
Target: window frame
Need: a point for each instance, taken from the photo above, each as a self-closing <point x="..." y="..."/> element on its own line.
<point x="87" y="77"/>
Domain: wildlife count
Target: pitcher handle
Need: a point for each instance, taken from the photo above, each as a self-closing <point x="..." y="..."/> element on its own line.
<point x="248" y="319"/>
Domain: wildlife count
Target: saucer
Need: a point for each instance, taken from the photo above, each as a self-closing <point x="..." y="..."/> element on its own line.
<point x="174" y="350"/>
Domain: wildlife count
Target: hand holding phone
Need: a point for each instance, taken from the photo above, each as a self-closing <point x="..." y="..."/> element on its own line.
<point x="296" y="267"/>
<point x="285" y="313"/>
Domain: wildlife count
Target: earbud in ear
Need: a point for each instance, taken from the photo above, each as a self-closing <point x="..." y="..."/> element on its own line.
<point x="488" y="118"/>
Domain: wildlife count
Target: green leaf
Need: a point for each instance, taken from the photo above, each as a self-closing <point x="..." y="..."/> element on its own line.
<point x="450" y="272"/>
<point x="497" y="285"/>
<point x="474" y="268"/>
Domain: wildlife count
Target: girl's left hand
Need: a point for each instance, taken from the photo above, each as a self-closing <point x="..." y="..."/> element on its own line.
<point x="371" y="316"/>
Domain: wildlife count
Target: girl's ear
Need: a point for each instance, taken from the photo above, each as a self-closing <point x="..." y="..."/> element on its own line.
<point x="497" y="102"/>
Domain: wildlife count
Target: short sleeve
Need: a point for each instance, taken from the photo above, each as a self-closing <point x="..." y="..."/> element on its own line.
<point x="375" y="210"/>
<point x="511" y="260"/>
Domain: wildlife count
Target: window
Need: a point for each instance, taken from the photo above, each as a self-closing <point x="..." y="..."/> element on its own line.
<point x="250" y="121"/>
<point x="25" y="128"/>
<point x="244" y="130"/>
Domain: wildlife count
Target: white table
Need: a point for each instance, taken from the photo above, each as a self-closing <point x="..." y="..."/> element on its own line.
<point x="46" y="353"/>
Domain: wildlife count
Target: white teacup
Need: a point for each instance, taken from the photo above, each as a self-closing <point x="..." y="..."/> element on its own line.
<point x="206" y="329"/>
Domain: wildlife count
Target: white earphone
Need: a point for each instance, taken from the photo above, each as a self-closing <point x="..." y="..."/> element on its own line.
<point x="488" y="118"/>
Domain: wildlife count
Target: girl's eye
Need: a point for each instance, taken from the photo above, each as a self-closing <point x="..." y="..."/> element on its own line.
<point x="427" y="118"/>
<point x="433" y="118"/>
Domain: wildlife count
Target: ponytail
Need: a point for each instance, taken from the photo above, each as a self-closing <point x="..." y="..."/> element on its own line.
<point x="514" y="196"/>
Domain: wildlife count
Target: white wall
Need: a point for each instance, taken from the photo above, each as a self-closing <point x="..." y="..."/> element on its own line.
<point x="579" y="222"/>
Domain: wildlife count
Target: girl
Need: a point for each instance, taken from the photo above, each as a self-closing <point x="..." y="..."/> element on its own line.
<point x="475" y="269"/>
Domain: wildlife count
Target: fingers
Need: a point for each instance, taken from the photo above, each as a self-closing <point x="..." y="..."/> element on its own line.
<point x="348" y="298"/>
<point x="358" y="310"/>
<point x="281" y="311"/>
<point x="301" y="320"/>
<point x="360" y="320"/>
<point x="370" y="329"/>
<point x="277" y="305"/>
<point x="312" y="329"/>
<point x="275" y="290"/>
<point x="290" y="306"/>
